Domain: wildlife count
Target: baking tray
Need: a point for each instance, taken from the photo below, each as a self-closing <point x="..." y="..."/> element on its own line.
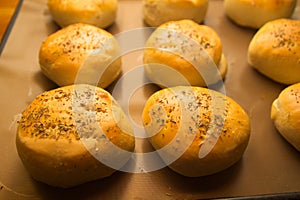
<point x="269" y="168"/>
<point x="9" y="13"/>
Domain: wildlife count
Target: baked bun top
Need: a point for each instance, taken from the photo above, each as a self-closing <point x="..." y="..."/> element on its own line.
<point x="267" y="5"/>
<point x="100" y="13"/>
<point x="255" y="13"/>
<point x="275" y="50"/>
<point x="280" y="37"/>
<point x="184" y="3"/>
<point x="285" y="113"/>
<point x="157" y="12"/>
<point x="80" y="48"/>
<point x="189" y="48"/>
<point x="183" y="35"/>
<point x="194" y="126"/>
<point x="73" y="113"/>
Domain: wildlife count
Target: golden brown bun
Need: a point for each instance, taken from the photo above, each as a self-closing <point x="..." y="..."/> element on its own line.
<point x="59" y="137"/>
<point x="275" y="50"/>
<point x="157" y="12"/>
<point x="285" y="113"/>
<point x="80" y="53"/>
<point x="100" y="13"/>
<point x="255" y="13"/>
<point x="195" y="130"/>
<point x="181" y="46"/>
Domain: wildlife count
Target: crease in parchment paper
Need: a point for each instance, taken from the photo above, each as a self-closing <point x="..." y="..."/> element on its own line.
<point x="14" y="122"/>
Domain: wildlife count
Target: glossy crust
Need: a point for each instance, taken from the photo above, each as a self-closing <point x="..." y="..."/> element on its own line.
<point x="184" y="53"/>
<point x="63" y="136"/>
<point x="285" y="113"/>
<point x="80" y="53"/>
<point x="255" y="13"/>
<point x="195" y="130"/>
<point x="100" y="13"/>
<point x="157" y="12"/>
<point x="275" y="51"/>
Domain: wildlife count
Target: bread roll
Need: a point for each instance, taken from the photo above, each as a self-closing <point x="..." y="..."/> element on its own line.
<point x="100" y="13"/>
<point x="184" y="53"/>
<point x="275" y="50"/>
<point x="285" y="114"/>
<point x="80" y="53"/>
<point x="157" y="12"/>
<point x="72" y="135"/>
<point x="196" y="131"/>
<point x="255" y="13"/>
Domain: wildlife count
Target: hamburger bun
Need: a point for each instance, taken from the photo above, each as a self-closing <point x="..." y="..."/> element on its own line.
<point x="80" y="53"/>
<point x="196" y="131"/>
<point x="73" y="135"/>
<point x="184" y="53"/>
<point x="157" y="12"/>
<point x="275" y="51"/>
<point x="100" y="13"/>
<point x="285" y="114"/>
<point x="255" y="13"/>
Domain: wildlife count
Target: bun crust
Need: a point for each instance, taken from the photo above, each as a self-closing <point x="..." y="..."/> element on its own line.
<point x="255" y="13"/>
<point x="80" y="53"/>
<point x="100" y="13"/>
<point x="185" y="47"/>
<point x="63" y="136"/>
<point x="157" y="12"/>
<point x="198" y="127"/>
<point x="275" y="51"/>
<point x="285" y="114"/>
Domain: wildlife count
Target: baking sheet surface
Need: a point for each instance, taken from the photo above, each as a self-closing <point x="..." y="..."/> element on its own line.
<point x="269" y="166"/>
<point x="8" y="13"/>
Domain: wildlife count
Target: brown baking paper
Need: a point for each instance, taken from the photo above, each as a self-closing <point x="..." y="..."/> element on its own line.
<point x="269" y="166"/>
